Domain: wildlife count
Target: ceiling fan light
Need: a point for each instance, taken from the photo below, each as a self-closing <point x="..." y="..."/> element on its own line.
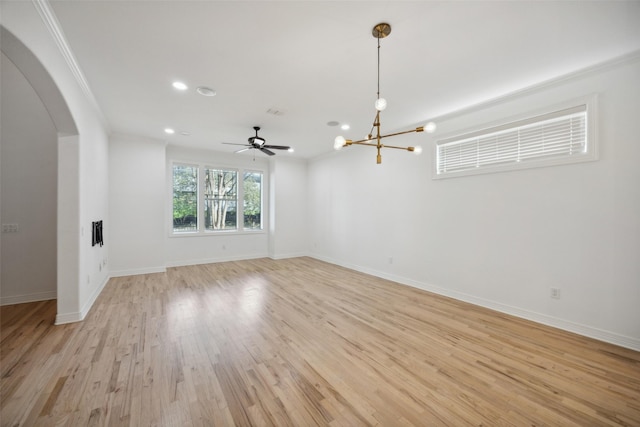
<point x="380" y="104"/>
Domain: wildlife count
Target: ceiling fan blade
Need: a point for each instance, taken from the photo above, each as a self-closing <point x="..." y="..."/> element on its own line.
<point x="242" y="149"/>
<point x="233" y="143"/>
<point x="277" y="147"/>
<point x="265" y="151"/>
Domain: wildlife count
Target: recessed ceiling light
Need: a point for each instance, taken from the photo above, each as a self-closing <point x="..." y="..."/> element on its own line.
<point x="205" y="91"/>
<point x="169" y="131"/>
<point x="333" y="123"/>
<point x="345" y="127"/>
<point x="179" y="85"/>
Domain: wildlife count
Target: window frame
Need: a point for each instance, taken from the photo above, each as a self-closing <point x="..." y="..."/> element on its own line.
<point x="201" y="230"/>
<point x="202" y="194"/>
<point x="189" y="165"/>
<point x="590" y="105"/>
<point x="241" y="217"/>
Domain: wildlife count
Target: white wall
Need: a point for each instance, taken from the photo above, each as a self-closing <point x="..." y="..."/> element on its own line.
<point x="94" y="206"/>
<point x="140" y="208"/>
<point x="288" y="225"/>
<point x="137" y="205"/>
<point x="501" y="240"/>
<point x="83" y="162"/>
<point x="29" y="170"/>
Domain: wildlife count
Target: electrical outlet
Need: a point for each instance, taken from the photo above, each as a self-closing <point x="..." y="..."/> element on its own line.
<point x="555" y="293"/>
<point x="9" y="228"/>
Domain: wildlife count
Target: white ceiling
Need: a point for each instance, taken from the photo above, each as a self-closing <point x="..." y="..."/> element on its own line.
<point x="316" y="61"/>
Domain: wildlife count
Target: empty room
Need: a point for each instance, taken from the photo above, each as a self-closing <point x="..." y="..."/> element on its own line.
<point x="320" y="213"/>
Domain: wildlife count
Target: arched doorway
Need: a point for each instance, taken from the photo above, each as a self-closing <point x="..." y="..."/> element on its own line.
<point x="40" y="139"/>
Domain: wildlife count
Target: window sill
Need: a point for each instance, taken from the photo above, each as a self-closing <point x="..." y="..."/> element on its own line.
<point x="216" y="233"/>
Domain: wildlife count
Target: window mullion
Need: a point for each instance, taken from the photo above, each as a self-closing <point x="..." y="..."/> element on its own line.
<point x="240" y="200"/>
<point x="201" y="202"/>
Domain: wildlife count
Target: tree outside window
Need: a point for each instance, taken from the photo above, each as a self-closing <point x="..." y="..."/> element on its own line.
<point x="185" y="198"/>
<point x="221" y="199"/>
<point x="214" y="194"/>
<point x="252" y="200"/>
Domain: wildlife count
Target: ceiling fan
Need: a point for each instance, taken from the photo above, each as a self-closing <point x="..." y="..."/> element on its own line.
<point x="258" y="143"/>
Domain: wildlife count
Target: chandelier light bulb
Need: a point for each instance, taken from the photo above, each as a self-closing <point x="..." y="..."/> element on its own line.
<point x="430" y="127"/>
<point x="339" y="142"/>
<point x="417" y="150"/>
<point x="381" y="104"/>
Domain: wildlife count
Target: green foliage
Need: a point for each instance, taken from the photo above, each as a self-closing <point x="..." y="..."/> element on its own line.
<point x="252" y="193"/>
<point x="221" y="195"/>
<point x="220" y="198"/>
<point x="185" y="193"/>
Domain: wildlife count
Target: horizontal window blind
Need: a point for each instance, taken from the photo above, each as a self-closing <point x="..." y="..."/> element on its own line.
<point x="554" y="135"/>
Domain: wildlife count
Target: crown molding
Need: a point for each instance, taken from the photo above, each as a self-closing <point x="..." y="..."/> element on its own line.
<point x="608" y="64"/>
<point x="51" y="23"/>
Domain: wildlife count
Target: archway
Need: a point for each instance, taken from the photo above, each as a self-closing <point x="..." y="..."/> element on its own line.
<point x="66" y="174"/>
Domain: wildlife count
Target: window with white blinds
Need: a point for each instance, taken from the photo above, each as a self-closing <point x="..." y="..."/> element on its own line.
<point x="557" y="137"/>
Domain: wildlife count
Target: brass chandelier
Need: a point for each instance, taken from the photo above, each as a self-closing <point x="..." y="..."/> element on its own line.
<point x="381" y="31"/>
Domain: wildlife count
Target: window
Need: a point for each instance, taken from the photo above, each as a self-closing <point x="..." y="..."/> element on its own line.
<point x="562" y="136"/>
<point x="220" y="199"/>
<point x="185" y="198"/>
<point x="207" y="199"/>
<point x="252" y="203"/>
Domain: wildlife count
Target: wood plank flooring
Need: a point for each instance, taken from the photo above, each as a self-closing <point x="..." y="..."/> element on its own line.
<point x="299" y="342"/>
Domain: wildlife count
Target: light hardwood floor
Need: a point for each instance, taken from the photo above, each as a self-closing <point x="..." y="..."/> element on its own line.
<point x="300" y="342"/>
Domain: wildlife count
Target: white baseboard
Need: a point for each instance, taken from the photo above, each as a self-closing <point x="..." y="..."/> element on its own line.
<point x="137" y="271"/>
<point x="20" y="299"/>
<point x="186" y="262"/>
<point x="62" y="318"/>
<point x="566" y="325"/>
<point x="94" y="296"/>
<point x="289" y="255"/>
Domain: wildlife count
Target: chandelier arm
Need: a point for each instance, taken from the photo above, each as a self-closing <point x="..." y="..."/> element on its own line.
<point x="420" y="129"/>
<point x="363" y="142"/>
<point x="367" y="141"/>
<point x="398" y="148"/>
<point x="370" y="144"/>
<point x="376" y="124"/>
